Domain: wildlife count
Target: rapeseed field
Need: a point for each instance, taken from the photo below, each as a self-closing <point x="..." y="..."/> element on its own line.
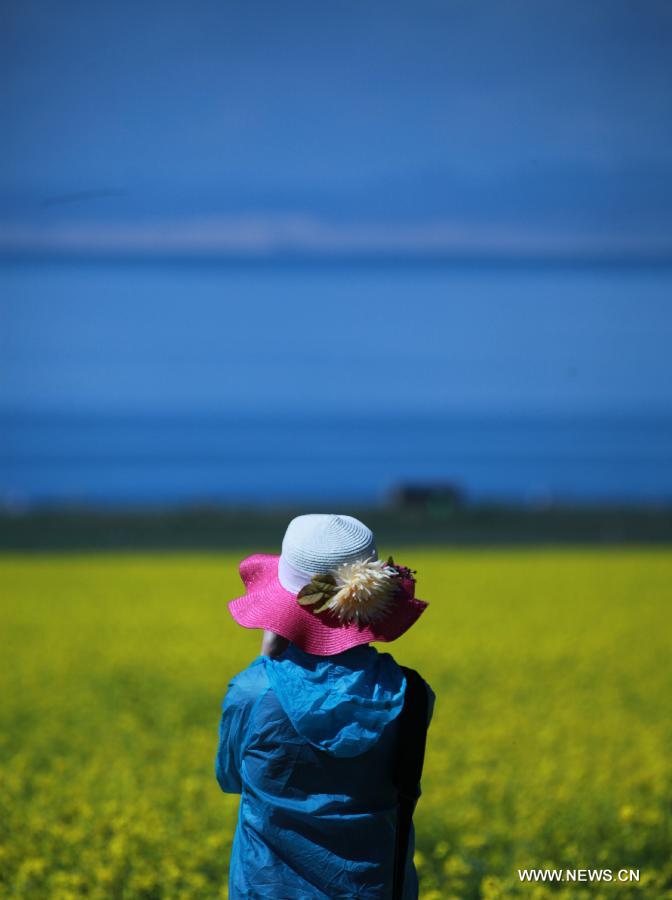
<point x="551" y="744"/>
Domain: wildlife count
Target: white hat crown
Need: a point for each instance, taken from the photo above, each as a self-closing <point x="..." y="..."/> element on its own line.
<point x="320" y="542"/>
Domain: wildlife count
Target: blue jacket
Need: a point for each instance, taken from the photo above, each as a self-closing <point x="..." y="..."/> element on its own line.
<point x="307" y="742"/>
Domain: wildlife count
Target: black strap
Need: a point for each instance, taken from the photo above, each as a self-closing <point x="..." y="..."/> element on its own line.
<point x="407" y="767"/>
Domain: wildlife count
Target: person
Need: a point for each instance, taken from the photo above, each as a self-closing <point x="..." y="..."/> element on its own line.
<point x="311" y="730"/>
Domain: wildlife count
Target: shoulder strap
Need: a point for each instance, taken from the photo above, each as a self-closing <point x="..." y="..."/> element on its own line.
<point x="407" y="768"/>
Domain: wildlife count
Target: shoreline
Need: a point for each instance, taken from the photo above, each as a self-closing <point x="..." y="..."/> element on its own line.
<point x="225" y="528"/>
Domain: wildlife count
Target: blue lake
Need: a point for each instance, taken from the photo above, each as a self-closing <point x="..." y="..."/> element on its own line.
<point x="122" y="459"/>
<point x="164" y="383"/>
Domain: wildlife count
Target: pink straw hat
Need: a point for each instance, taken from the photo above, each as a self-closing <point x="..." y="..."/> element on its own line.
<point x="327" y="591"/>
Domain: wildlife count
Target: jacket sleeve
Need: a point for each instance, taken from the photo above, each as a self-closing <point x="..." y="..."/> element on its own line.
<point x="236" y="709"/>
<point x="431" y="700"/>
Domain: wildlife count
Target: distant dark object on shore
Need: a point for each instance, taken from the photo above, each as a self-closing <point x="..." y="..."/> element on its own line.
<point x="433" y="499"/>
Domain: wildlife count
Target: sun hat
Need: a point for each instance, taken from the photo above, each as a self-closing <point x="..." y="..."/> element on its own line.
<point x="327" y="590"/>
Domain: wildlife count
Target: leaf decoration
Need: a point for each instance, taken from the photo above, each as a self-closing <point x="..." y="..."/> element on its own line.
<point x="320" y="587"/>
<point x="361" y="591"/>
<point x="326" y="605"/>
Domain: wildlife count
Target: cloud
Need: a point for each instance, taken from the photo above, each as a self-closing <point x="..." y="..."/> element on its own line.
<point x="263" y="236"/>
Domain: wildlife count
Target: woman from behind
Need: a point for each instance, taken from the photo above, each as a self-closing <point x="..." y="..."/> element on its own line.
<point x="322" y="735"/>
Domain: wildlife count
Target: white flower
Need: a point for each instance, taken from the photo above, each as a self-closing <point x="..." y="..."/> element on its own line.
<point x="365" y="591"/>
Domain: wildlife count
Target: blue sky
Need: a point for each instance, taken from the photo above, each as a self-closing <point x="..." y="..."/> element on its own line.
<point x="516" y="126"/>
<point x="511" y="129"/>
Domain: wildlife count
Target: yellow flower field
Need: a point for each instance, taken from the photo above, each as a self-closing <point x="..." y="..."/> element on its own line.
<point x="551" y="744"/>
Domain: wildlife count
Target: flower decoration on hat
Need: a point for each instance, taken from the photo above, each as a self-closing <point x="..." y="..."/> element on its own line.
<point x="362" y="591"/>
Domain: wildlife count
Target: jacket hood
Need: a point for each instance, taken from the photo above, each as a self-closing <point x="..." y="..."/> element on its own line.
<point x="339" y="704"/>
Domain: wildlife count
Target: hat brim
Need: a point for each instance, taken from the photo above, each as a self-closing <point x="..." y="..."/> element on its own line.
<point x="268" y="605"/>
